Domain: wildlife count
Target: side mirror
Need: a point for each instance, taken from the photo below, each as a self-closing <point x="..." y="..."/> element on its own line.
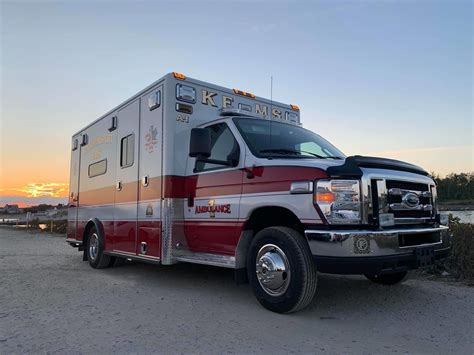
<point x="200" y="143"/>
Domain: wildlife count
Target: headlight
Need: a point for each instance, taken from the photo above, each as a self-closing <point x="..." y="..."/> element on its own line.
<point x="339" y="200"/>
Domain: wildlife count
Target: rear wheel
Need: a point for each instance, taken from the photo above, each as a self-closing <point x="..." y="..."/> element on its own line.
<point x="95" y="250"/>
<point x="389" y="279"/>
<point x="281" y="270"/>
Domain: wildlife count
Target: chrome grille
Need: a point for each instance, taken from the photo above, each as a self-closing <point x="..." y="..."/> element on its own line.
<point x="410" y="202"/>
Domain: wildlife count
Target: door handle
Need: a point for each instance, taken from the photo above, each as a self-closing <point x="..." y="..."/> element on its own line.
<point x="119" y="185"/>
<point x="145" y="181"/>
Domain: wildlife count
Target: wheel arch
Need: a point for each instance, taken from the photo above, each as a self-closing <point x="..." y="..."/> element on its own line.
<point x="260" y="218"/>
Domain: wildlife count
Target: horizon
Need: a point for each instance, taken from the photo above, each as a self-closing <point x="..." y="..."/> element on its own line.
<point x="381" y="79"/>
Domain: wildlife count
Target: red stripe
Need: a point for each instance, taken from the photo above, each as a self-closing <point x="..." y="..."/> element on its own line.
<point x="249" y="180"/>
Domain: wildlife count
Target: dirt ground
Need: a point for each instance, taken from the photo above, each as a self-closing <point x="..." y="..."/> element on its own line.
<point x="51" y="301"/>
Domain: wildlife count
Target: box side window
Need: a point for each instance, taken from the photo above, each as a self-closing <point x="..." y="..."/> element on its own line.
<point x="98" y="168"/>
<point x="127" y="150"/>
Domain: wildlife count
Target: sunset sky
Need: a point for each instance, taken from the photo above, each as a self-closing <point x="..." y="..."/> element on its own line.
<point x="384" y="78"/>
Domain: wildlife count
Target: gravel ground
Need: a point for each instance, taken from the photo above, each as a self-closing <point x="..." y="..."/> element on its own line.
<point x="53" y="302"/>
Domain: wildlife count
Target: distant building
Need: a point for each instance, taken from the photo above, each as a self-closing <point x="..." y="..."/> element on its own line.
<point x="12" y="209"/>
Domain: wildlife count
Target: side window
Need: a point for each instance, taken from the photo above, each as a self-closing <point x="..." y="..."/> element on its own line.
<point x="224" y="147"/>
<point x="98" y="168"/>
<point x="127" y="150"/>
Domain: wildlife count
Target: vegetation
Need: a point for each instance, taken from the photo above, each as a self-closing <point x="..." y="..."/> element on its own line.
<point x="460" y="262"/>
<point x="459" y="187"/>
<point x="42" y="208"/>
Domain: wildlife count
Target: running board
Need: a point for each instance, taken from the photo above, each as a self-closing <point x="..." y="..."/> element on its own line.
<point x="131" y="256"/>
<point x="207" y="259"/>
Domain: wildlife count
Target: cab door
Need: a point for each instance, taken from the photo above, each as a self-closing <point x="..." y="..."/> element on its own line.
<point x="126" y="188"/>
<point x="214" y="193"/>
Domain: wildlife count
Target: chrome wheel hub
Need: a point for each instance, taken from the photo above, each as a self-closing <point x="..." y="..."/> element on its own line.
<point x="273" y="270"/>
<point x="93" y="246"/>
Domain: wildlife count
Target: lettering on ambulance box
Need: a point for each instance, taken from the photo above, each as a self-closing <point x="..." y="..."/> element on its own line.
<point x="227" y="101"/>
<point x="209" y="99"/>
<point x="212" y="208"/>
<point x="182" y="117"/>
<point x="276" y="113"/>
<point x="262" y="110"/>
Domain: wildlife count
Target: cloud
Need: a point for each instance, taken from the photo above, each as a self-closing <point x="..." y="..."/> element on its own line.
<point x="35" y="190"/>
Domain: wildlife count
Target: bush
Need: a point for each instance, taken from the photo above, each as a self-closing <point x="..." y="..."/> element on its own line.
<point x="462" y="252"/>
<point x="460" y="262"/>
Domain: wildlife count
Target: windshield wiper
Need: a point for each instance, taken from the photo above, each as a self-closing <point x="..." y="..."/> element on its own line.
<point x="297" y="152"/>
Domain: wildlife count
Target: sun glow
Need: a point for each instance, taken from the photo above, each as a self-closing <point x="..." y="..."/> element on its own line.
<point x="51" y="189"/>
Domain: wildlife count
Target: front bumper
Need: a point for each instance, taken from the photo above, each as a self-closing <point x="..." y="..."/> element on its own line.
<point x="375" y="251"/>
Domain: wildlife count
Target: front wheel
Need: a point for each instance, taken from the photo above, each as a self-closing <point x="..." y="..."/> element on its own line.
<point x="389" y="279"/>
<point x="281" y="270"/>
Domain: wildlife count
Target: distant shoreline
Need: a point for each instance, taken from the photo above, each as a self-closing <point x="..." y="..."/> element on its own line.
<point x="456" y="205"/>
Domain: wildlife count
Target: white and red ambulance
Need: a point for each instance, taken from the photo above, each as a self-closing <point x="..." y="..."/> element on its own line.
<point x="186" y="171"/>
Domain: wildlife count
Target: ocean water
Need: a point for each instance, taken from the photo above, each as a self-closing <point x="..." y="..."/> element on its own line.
<point x="464" y="216"/>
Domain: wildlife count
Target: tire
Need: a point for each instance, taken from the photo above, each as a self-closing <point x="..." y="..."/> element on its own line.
<point x="291" y="288"/>
<point x="389" y="279"/>
<point x="95" y="250"/>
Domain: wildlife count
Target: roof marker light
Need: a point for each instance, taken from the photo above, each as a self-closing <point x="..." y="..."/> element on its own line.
<point x="295" y="107"/>
<point x="243" y="93"/>
<point x="179" y="76"/>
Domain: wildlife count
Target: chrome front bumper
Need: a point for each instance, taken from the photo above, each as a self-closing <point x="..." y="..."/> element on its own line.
<point x="375" y="243"/>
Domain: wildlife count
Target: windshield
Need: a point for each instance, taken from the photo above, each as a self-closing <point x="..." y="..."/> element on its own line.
<point x="281" y="140"/>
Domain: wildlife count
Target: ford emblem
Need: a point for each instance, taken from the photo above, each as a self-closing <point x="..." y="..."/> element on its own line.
<point x="411" y="199"/>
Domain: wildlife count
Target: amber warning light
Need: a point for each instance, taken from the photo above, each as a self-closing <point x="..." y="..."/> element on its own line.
<point x="244" y="93"/>
<point x="179" y="76"/>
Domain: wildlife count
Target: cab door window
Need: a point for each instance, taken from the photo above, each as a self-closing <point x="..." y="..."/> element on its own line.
<point x="224" y="147"/>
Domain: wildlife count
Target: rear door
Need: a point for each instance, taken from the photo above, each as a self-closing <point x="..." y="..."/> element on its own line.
<point x="73" y="201"/>
<point x="126" y="189"/>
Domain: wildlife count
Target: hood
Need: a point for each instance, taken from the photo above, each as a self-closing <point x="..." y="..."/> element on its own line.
<point x="352" y="166"/>
<point x="349" y="167"/>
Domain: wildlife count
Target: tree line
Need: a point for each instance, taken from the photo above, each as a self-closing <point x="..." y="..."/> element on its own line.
<point x="455" y="186"/>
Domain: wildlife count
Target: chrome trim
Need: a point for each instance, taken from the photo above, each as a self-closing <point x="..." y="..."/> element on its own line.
<point x="208" y="259"/>
<point x="357" y="243"/>
<point x="167" y="214"/>
<point x="301" y="187"/>
<point x="272" y="270"/>
<point x="404" y="207"/>
<point x="374" y="232"/>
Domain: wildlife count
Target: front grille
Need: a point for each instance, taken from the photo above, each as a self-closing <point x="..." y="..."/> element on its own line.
<point x="409" y="200"/>
<point x="406" y="185"/>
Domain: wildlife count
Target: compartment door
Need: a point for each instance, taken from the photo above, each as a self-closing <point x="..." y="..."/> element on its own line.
<point x="150" y="173"/>
<point x="126" y="189"/>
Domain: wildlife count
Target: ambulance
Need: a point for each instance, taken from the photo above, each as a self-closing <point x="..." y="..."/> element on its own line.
<point x="190" y="172"/>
